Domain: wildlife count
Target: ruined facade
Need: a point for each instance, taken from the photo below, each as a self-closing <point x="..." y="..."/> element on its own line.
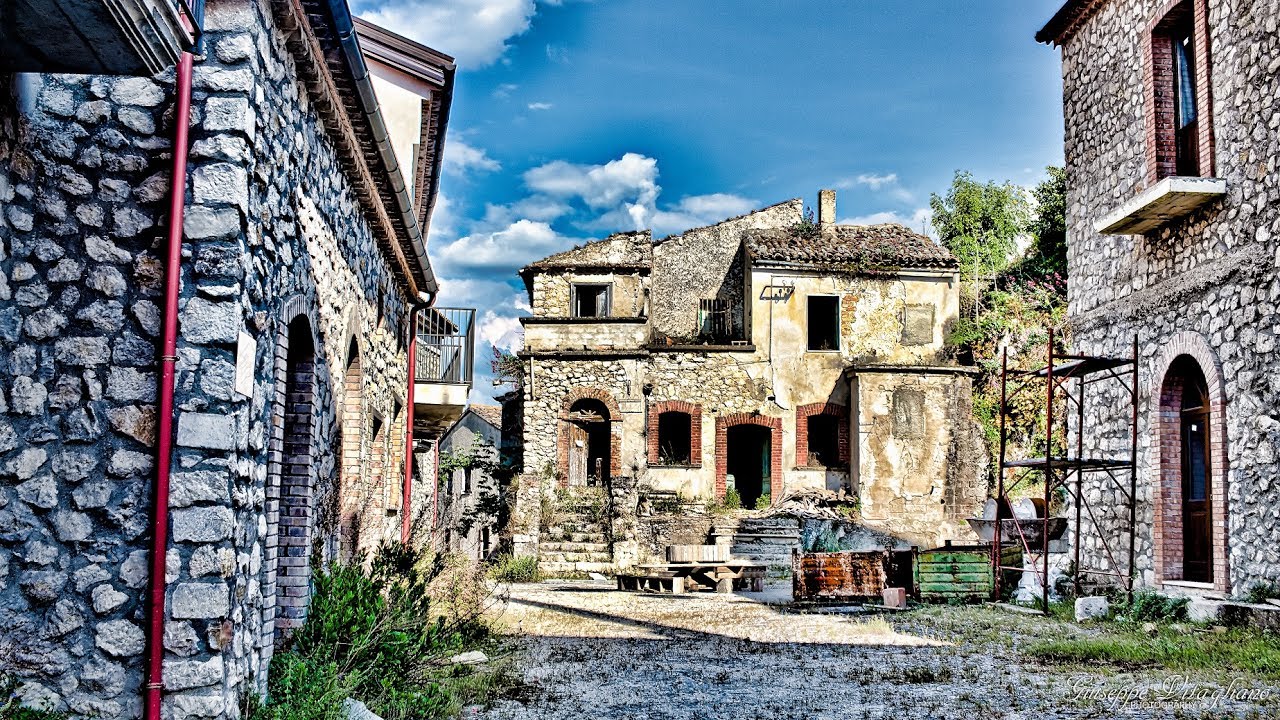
<point x="298" y="278"/>
<point x="1173" y="213"/>
<point x="763" y="355"/>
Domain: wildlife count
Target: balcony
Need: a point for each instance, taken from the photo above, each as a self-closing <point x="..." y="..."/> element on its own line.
<point x="585" y="335"/>
<point x="97" y="37"/>
<point x="442" y="373"/>
<point x="1168" y="200"/>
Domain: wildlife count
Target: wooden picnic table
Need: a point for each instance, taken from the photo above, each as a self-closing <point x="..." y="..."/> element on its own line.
<point x="723" y="576"/>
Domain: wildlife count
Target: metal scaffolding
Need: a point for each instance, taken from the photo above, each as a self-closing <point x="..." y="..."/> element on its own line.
<point x="1064" y="379"/>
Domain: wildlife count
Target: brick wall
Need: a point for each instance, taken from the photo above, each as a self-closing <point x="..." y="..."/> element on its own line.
<point x="804" y="412"/>
<point x="723" y="424"/>
<point x="694" y="412"/>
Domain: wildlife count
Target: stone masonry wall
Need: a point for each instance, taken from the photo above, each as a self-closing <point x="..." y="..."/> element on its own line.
<point x="273" y="231"/>
<point x="1207" y="281"/>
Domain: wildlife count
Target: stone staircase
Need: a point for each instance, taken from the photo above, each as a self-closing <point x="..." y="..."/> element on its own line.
<point x="575" y="545"/>
<point x="763" y="540"/>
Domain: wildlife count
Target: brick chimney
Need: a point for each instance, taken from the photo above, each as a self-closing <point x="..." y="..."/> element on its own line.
<point x="826" y="208"/>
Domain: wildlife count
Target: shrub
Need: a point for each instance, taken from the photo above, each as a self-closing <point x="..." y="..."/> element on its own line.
<point x="1260" y="592"/>
<point x="1147" y="606"/>
<point x="515" y="569"/>
<point x="299" y="688"/>
<point x="763" y="503"/>
<point x="732" y="499"/>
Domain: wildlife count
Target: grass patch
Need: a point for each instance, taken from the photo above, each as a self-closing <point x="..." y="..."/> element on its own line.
<point x="516" y="569"/>
<point x="11" y="707"/>
<point x="1238" y="649"/>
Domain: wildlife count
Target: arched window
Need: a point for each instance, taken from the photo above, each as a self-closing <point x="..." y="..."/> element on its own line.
<point x="1187" y="479"/>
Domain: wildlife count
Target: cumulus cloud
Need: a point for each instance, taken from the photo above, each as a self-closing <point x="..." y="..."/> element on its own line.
<point x="500" y="331"/>
<point x="460" y="158"/>
<point x="919" y="220"/>
<point x="887" y="183"/>
<point x="540" y="106"/>
<point x="507" y="249"/>
<point x="624" y="190"/>
<point x="700" y="210"/>
<point x="473" y="31"/>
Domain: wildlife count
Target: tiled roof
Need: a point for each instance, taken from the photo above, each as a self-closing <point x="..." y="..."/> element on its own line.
<point x="491" y="414"/>
<point x="1067" y="20"/>
<point x="850" y="246"/>
<point x="629" y="249"/>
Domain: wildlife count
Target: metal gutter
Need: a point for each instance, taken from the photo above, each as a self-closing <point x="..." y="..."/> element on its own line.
<point x="345" y="30"/>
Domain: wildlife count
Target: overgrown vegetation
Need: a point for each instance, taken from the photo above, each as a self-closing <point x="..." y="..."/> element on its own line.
<point x="383" y="633"/>
<point x="1150" y="606"/>
<point x="515" y="569"/>
<point x="1010" y="296"/>
<point x="1260" y="592"/>
<point x="1171" y="648"/>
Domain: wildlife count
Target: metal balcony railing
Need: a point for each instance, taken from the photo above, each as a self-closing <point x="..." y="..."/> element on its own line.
<point x="446" y="345"/>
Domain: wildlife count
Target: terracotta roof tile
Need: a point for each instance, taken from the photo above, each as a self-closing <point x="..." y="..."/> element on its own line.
<point x="862" y="246"/>
<point x="491" y="414"/>
<point x="629" y="249"/>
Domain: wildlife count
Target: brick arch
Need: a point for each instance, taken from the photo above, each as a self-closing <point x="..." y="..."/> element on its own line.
<point x="562" y="430"/>
<point x="694" y="411"/>
<point x="723" y="423"/>
<point x="590" y="393"/>
<point x="290" y="481"/>
<point x="829" y="409"/>
<point x="1166" y="468"/>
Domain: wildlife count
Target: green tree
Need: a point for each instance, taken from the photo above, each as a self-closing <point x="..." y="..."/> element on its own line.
<point x="1048" y="253"/>
<point x="980" y="224"/>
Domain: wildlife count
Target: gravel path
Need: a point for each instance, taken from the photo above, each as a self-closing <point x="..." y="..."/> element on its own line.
<point x="588" y="651"/>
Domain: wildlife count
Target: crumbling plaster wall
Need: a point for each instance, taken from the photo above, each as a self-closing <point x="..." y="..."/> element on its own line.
<point x="1212" y="274"/>
<point x="920" y="468"/>
<point x="80" y="239"/>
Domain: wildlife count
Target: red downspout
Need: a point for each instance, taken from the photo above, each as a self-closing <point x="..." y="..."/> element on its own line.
<point x="168" y="361"/>
<point x="406" y="503"/>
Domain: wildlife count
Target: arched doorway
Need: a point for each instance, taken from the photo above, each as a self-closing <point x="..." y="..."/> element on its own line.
<point x="1187" y="394"/>
<point x="749" y="462"/>
<point x="296" y="482"/>
<point x="352" y="435"/>
<point x="590" y="443"/>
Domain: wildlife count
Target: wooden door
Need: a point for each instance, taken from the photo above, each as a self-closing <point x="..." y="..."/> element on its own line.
<point x="577" y="454"/>
<point x="1197" y="538"/>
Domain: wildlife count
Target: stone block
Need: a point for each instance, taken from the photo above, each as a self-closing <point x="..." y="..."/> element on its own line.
<point x="106" y="598"/>
<point x="189" y="487"/>
<point x="206" y="223"/>
<point x="1092" y="608"/>
<point x="895" y="597"/>
<point x="199" y="601"/>
<point x="206" y="524"/>
<point x="205" y="322"/>
<point x="1200" y="610"/>
<point x="120" y="638"/>
<point x="206" y="430"/>
<point x="187" y="674"/>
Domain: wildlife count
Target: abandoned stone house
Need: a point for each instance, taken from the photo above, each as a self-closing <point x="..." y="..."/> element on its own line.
<point x="1173" y="213"/>
<point x="764" y="354"/>
<point x="210" y="276"/>
<point x="470" y="486"/>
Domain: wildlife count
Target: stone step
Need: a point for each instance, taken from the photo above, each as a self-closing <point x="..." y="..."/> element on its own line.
<point x="580" y="567"/>
<point x="575" y="547"/>
<point x="571" y="557"/>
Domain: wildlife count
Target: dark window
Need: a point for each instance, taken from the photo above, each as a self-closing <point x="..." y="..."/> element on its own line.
<point x="1186" y="119"/>
<point x="466" y="480"/>
<point x="824" y="441"/>
<point x="675" y="438"/>
<point x="824" y="322"/>
<point x="591" y="300"/>
<point x="1181" y="121"/>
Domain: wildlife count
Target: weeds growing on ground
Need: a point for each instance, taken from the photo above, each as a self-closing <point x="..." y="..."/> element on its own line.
<point x="1239" y="649"/>
<point x="1149" y="606"/>
<point x="515" y="569"/>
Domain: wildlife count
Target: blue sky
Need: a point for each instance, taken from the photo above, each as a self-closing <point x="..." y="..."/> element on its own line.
<point x="573" y="119"/>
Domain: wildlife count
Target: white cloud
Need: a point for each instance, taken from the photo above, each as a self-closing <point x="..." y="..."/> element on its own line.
<point x="699" y="210"/>
<point x="473" y="31"/>
<point x="626" y="186"/>
<point x="500" y="331"/>
<point x="558" y="54"/>
<point x="461" y="157"/>
<point x="919" y="220"/>
<point x="540" y="106"/>
<point x="888" y="183"/>
<point x="511" y="247"/>
<point x="504" y="90"/>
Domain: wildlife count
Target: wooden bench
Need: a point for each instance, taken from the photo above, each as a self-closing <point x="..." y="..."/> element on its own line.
<point x="724" y="577"/>
<point x="655" y="582"/>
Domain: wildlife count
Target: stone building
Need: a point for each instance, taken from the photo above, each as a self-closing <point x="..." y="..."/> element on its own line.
<point x="1173" y="213"/>
<point x="767" y="354"/>
<point x="271" y="433"/>
<point x="471" y="485"/>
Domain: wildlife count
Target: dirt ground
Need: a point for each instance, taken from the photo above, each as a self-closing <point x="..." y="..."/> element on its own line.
<point x="587" y="651"/>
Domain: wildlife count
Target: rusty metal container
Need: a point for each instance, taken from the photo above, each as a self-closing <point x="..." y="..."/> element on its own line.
<point x="839" y="575"/>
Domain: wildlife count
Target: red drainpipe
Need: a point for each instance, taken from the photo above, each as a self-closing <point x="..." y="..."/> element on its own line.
<point x="406" y="502"/>
<point x="168" y="360"/>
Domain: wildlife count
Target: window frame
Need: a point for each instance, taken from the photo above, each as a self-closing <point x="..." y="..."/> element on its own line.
<point x="1178" y="20"/>
<point x="688" y="459"/>
<point x="808" y="322"/>
<point x="576" y="287"/>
